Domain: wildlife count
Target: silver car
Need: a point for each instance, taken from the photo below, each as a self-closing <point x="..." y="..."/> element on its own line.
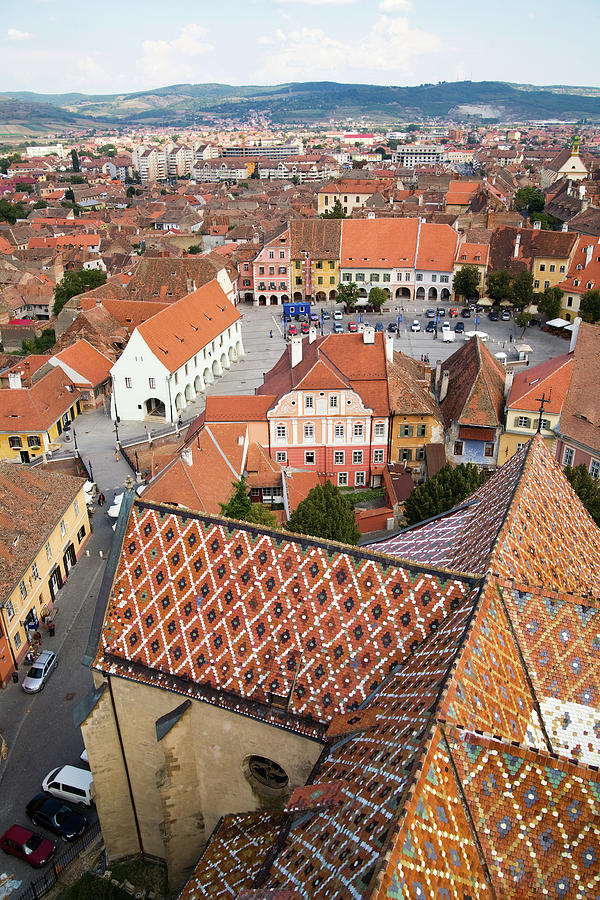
<point x="39" y="672"/>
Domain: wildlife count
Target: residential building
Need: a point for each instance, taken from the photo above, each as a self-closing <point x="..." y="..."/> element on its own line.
<point x="415" y="418"/>
<point x="578" y="439"/>
<point x="271" y="270"/>
<point x="470" y="254"/>
<point x="583" y="275"/>
<point x="548" y="381"/>
<point x="44" y="525"/>
<point x="566" y="164"/>
<point x="36" y="151"/>
<point x="297" y="717"/>
<point x="88" y="369"/>
<point x="172" y="356"/>
<point x="411" y="155"/>
<point x="32" y="418"/>
<point x="265" y="148"/>
<point x="352" y="193"/>
<point x="315" y="256"/>
<point x="471" y="387"/>
<point x="546" y="254"/>
<point x="331" y="408"/>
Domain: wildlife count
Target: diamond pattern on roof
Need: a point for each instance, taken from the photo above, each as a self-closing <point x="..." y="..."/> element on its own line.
<point x="435" y="854"/>
<point x="536" y="817"/>
<point x="560" y="641"/>
<point x="255" y="613"/>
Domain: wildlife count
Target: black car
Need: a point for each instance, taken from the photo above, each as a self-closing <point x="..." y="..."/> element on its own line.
<point x="430" y="327"/>
<point x="466" y="313"/>
<point x="459" y="328"/>
<point x="441" y="312"/>
<point x="494" y="316"/>
<point x="392" y="328"/>
<point x="57" y="816"/>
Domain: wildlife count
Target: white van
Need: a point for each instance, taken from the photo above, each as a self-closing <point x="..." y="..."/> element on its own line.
<point x="70" y="783"/>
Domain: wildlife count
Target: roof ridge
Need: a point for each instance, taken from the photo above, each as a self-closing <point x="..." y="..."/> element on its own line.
<point x="515" y="499"/>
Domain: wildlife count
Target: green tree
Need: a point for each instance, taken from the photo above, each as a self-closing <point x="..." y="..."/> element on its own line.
<point x="499" y="285"/>
<point x="24" y="187"/>
<point x="75" y="160"/>
<point x="466" y="282"/>
<point x="522" y="289"/>
<point x="547" y="222"/>
<point x="586" y="488"/>
<point x="589" y="307"/>
<point x="40" y="344"/>
<point x="10" y="212"/>
<point x="377" y="297"/>
<point x="347" y="293"/>
<point x="529" y="199"/>
<point x="260" y="515"/>
<point x="130" y="192"/>
<point x="238" y="505"/>
<point x="325" y="513"/>
<point x="336" y="212"/>
<point x="194" y="248"/>
<point x="77" y="179"/>
<point x="69" y="195"/>
<point x="522" y="320"/>
<point x="550" y="302"/>
<point x="40" y="204"/>
<point x="74" y="282"/>
<point x="7" y="161"/>
<point x="446" y="489"/>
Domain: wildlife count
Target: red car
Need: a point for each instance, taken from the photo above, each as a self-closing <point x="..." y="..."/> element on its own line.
<point x="304" y="328"/>
<point x="27" y="845"/>
<point x="453" y="312"/>
<point x="352" y="326"/>
<point x="292" y="330"/>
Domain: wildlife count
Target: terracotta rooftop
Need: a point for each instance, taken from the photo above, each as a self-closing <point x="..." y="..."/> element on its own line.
<point x="384" y="243"/>
<point x="37" y="408"/>
<point x="83" y="363"/>
<point x="319" y="237"/>
<point x="533" y="243"/>
<point x="580" y="418"/>
<point x="551" y="378"/>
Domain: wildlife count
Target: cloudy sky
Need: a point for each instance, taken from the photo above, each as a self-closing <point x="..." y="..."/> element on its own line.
<point x="54" y="46"/>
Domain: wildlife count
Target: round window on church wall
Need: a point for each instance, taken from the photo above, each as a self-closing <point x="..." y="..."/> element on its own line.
<point x="266" y="776"/>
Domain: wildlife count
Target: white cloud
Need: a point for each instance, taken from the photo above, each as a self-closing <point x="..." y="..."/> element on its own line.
<point x="13" y="34"/>
<point x="395" y="5"/>
<point x="390" y="49"/>
<point x="168" y="62"/>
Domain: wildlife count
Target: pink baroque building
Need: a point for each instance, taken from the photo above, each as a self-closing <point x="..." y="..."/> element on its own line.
<point x="271" y="270"/>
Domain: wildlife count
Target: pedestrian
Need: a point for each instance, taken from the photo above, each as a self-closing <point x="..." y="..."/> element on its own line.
<point x="179" y="422"/>
<point x="101" y="499"/>
<point x="271" y="333"/>
<point x="510" y="339"/>
<point x="116" y="455"/>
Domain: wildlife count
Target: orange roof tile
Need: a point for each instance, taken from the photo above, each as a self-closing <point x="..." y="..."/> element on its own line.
<point x="379" y="242"/>
<point x="84" y="360"/>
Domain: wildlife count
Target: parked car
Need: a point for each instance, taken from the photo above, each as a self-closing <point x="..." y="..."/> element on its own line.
<point x="352" y="326"/>
<point x="459" y="328"/>
<point x="430" y="327"/>
<point x="292" y="330"/>
<point x="453" y="312"/>
<point x="534" y="321"/>
<point x="445" y="326"/>
<point x="70" y="783"/>
<point x="304" y="328"/>
<point x="338" y="314"/>
<point x="494" y="316"/>
<point x="314" y="317"/>
<point x="430" y="313"/>
<point x="392" y="328"/>
<point x="505" y="315"/>
<point x="325" y="314"/>
<point x="416" y="326"/>
<point x="441" y="312"/>
<point x="31" y="847"/>
<point x="378" y="326"/>
<point x="56" y="816"/>
<point x="40" y="672"/>
<point x="466" y="312"/>
<point x="338" y="328"/>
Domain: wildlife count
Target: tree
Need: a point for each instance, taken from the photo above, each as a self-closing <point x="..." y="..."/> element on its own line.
<point x="522" y="289"/>
<point x="74" y="282"/>
<point x="377" y="297"/>
<point x="325" y="513"/>
<point x="76" y="179"/>
<point x="586" y="488"/>
<point x="522" y="320"/>
<point x="466" y="282"/>
<point x="10" y="212"/>
<point x="499" y="285"/>
<point x="550" y="302"/>
<point x="7" y="161"/>
<point x="194" y="248"/>
<point x="238" y="505"/>
<point x="130" y="192"/>
<point x="547" y="222"/>
<point x="529" y="199"/>
<point x="446" y="489"/>
<point x="75" y="161"/>
<point x="347" y="293"/>
<point x="589" y="307"/>
<point x="260" y="515"/>
<point x="336" y="212"/>
<point x="40" y="204"/>
<point x="40" y="344"/>
<point x="69" y="195"/>
<point x="24" y="187"/>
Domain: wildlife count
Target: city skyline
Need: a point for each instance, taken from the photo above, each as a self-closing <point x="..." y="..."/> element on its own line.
<point x="49" y="47"/>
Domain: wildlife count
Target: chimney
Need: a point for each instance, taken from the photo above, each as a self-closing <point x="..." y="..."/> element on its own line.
<point x="186" y="456"/>
<point x="188" y="285"/>
<point x="444" y="385"/>
<point x="581" y="191"/>
<point x="508" y="381"/>
<point x="389" y="347"/>
<point x="517" y="245"/>
<point x="312" y="334"/>
<point x="369" y="335"/>
<point x="537" y="225"/>
<point x="296" y="345"/>
<point x="574" y="333"/>
<point x="589" y="250"/>
<point x="438" y="372"/>
<point x="14" y="380"/>
<point x="564" y="227"/>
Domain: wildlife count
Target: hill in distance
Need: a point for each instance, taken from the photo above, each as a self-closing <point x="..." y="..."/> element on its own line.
<point x="308" y="102"/>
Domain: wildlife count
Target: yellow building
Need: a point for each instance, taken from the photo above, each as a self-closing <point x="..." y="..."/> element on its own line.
<point x="476" y="255"/>
<point x="352" y="194"/>
<point x="32" y="419"/>
<point x="315" y="256"/>
<point x="549" y="379"/>
<point x="415" y="418"/>
<point x="44" y="524"/>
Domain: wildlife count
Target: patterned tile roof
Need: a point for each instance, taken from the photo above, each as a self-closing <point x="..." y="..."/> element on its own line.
<point x="235" y="609"/>
<point x="476" y="387"/>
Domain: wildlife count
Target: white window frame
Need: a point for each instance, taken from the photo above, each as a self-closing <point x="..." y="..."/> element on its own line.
<point x="339" y="457"/>
<point x="339" y="431"/>
<point x="342" y="479"/>
<point x="281" y="456"/>
<point x="523" y="422"/>
<point x="307" y="461"/>
<point x="377" y="456"/>
<point x="358" y="430"/>
<point x="360" y="479"/>
<point x="333" y="401"/>
<point x="308" y="433"/>
<point x="379" y="430"/>
<point x="568" y="456"/>
<point x="63" y="528"/>
<point x="281" y="433"/>
<point x="128" y="383"/>
<point x="309" y="402"/>
<point x="357" y="457"/>
<point x="595" y="468"/>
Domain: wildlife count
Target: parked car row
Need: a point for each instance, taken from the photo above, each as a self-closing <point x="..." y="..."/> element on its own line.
<point x="50" y="810"/>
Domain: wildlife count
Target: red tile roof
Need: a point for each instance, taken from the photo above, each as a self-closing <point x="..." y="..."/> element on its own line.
<point x="84" y="364"/>
<point x="385" y="243"/>
<point x="476" y="387"/>
<point x="580" y="418"/>
<point x="551" y="378"/>
<point x="36" y="409"/>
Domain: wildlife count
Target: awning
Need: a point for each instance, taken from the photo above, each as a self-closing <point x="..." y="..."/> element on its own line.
<point x="557" y="323"/>
<point x="473" y="433"/>
<point x="485" y="301"/>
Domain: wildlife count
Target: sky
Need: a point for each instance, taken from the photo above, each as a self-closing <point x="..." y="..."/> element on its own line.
<point x="55" y="46"/>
